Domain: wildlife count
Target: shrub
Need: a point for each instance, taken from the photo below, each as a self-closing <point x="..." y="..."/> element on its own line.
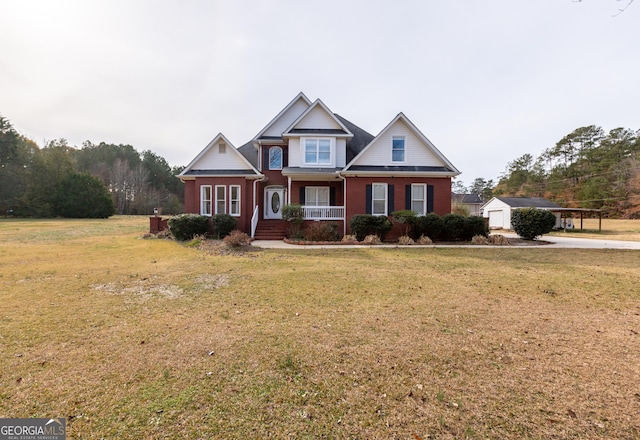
<point x="349" y="238"/>
<point x="475" y="225"/>
<point x="237" y="239"/>
<point x="294" y="216"/>
<point x="405" y="240"/>
<point x="223" y="224"/>
<point x="499" y="240"/>
<point x="372" y="239"/>
<point x="530" y="223"/>
<point x="83" y="196"/>
<point x="480" y="239"/>
<point x="321" y="231"/>
<point x="453" y="227"/>
<point x="430" y="225"/>
<point x="366" y="224"/>
<point x="405" y="217"/>
<point x="186" y="226"/>
<point x="424" y="240"/>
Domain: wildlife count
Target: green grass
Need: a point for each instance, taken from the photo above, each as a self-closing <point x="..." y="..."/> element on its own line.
<point x="145" y="338"/>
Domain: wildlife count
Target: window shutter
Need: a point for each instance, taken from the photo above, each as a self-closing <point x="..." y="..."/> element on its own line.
<point x="368" y="199"/>
<point x="390" y="201"/>
<point x="332" y="197"/>
<point x="285" y="157"/>
<point x="303" y="195"/>
<point x="429" y="198"/>
<point x="265" y="158"/>
<point x="407" y="197"/>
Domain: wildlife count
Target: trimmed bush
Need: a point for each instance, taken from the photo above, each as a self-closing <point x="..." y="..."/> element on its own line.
<point x="186" y="226"/>
<point x="223" y="224"/>
<point x="453" y="227"/>
<point x="474" y="226"/>
<point x="366" y="224"/>
<point x="429" y="225"/>
<point x="531" y="223"/>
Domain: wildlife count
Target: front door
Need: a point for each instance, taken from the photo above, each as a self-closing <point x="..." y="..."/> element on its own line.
<point x="274" y="199"/>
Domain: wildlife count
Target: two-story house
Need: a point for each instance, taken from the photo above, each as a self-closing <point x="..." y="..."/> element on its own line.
<point x="313" y="157"/>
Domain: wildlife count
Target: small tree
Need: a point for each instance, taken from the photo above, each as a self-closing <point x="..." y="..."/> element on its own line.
<point x="405" y="217"/>
<point x="530" y="223"/>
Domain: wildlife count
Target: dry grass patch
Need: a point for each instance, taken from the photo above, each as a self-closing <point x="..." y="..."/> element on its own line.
<point x="341" y="343"/>
<point x="612" y="229"/>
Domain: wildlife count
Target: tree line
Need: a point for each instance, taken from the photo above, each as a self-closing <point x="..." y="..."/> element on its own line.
<point x="43" y="182"/>
<point x="588" y="168"/>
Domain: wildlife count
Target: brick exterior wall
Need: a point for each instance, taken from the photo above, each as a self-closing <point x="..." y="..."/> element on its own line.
<point x="192" y="197"/>
<point x="357" y="195"/>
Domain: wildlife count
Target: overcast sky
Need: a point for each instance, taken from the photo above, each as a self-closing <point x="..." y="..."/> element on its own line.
<point x="485" y="81"/>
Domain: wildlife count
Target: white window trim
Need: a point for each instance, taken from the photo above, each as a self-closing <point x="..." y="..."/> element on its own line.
<point x="231" y="200"/>
<point x="224" y="192"/>
<point x="273" y="148"/>
<point x="204" y="201"/>
<point x="404" y="150"/>
<point x="332" y="152"/>
<point x="316" y="188"/>
<point x="386" y="198"/>
<point x="423" y="200"/>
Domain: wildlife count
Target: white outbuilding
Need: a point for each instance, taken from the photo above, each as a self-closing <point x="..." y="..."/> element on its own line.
<point x="498" y="209"/>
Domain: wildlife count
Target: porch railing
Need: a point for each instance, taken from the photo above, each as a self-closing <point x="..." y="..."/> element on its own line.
<point x="323" y="212"/>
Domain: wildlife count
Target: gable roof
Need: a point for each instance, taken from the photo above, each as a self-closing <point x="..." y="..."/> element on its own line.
<point x="528" y="202"/>
<point x="360" y="139"/>
<point x="306" y="124"/>
<point x="236" y="164"/>
<point x="282" y="121"/>
<point x="467" y="199"/>
<point x="446" y="168"/>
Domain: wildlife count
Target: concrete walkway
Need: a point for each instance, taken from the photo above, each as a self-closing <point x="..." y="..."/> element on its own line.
<point x="555" y="243"/>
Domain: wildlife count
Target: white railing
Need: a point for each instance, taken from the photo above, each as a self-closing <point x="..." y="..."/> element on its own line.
<point x="254" y="222"/>
<point x="323" y="212"/>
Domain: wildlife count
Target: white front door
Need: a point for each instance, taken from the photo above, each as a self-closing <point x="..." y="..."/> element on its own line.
<point x="274" y="199"/>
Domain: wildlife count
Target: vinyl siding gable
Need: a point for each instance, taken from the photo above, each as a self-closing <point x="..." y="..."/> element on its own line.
<point x="417" y="152"/>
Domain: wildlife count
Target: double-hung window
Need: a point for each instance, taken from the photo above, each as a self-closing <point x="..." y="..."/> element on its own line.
<point x="379" y="199"/>
<point x="317" y="151"/>
<point x="221" y="199"/>
<point x="205" y="200"/>
<point x="419" y="198"/>
<point x="316" y="196"/>
<point x="397" y="149"/>
<point x="234" y="200"/>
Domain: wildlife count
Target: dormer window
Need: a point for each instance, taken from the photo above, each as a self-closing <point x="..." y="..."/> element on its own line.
<point x="275" y="158"/>
<point x="397" y="149"/>
<point x="317" y="151"/>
